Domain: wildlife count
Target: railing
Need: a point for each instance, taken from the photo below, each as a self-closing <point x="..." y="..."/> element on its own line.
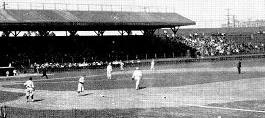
<point x="86" y="7"/>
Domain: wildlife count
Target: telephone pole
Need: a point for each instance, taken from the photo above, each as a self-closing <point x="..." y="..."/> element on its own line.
<point x="4" y="5"/>
<point x="228" y="17"/>
<point x="234" y="20"/>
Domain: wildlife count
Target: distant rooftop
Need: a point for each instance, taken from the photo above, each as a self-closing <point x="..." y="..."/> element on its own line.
<point x="85" y="7"/>
<point x="87" y="20"/>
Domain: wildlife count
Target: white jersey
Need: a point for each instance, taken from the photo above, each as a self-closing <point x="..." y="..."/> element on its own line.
<point x="29" y="84"/>
<point x="80" y="87"/>
<point x="152" y="64"/>
<point x="121" y="65"/>
<point x="81" y="79"/>
<point x="137" y="74"/>
<point x="109" y="68"/>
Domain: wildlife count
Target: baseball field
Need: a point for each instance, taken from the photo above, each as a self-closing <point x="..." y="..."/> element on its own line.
<point x="210" y="89"/>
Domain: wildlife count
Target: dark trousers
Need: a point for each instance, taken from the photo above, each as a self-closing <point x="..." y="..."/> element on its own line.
<point x="45" y="76"/>
<point x="239" y="70"/>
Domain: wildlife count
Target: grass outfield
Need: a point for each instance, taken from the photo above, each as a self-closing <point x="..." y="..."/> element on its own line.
<point x="258" y="105"/>
<point x="159" y="65"/>
<point x="149" y="80"/>
<point x="180" y="112"/>
<point x="8" y="96"/>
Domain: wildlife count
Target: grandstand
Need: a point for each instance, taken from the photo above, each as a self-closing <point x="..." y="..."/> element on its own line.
<point x="45" y="47"/>
<point x="194" y="75"/>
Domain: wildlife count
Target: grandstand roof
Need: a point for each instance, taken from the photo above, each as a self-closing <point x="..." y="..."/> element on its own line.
<point x="59" y="20"/>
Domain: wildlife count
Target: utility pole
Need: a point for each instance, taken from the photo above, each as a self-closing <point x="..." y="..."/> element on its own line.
<point x="234" y="20"/>
<point x="4" y="5"/>
<point x="228" y="17"/>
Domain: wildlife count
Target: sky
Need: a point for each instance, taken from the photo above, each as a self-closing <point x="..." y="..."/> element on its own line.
<point x="206" y="13"/>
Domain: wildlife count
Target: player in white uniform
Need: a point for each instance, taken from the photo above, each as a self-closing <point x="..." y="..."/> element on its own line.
<point x="109" y="70"/>
<point x="29" y="89"/>
<point x="137" y="76"/>
<point x="152" y="64"/>
<point x="121" y="65"/>
<point x="15" y="72"/>
<point x="80" y="87"/>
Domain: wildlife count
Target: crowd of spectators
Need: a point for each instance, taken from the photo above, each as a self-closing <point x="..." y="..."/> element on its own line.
<point x="218" y="44"/>
<point x="65" y="66"/>
<point x="55" y="67"/>
<point x="74" y="54"/>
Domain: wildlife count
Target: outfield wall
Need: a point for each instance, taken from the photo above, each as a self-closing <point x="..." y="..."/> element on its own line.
<point x="187" y="60"/>
<point x="166" y="61"/>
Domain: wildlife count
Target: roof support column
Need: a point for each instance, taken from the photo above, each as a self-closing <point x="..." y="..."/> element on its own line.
<point x="175" y="30"/>
<point x="149" y="32"/>
<point x="129" y="32"/>
<point x="16" y="33"/>
<point x="6" y="33"/>
<point x="72" y="33"/>
<point x="99" y="32"/>
<point x="121" y="32"/>
<point x="43" y="33"/>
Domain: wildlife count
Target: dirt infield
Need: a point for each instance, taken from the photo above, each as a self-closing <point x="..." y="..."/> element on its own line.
<point x="205" y="93"/>
<point x="154" y="97"/>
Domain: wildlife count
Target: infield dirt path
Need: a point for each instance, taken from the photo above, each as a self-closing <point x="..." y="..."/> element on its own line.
<point x="156" y="97"/>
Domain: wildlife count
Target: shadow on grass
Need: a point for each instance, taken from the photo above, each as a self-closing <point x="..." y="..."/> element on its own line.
<point x="142" y="87"/>
<point x="86" y="94"/>
<point x="38" y="100"/>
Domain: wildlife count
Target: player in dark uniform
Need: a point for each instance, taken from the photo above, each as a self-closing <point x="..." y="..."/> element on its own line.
<point x="239" y="67"/>
<point x="44" y="73"/>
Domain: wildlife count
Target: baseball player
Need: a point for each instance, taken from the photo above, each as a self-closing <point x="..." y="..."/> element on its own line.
<point x="152" y="64"/>
<point x="80" y="87"/>
<point x="137" y="76"/>
<point x="239" y="67"/>
<point x="121" y="65"/>
<point x="15" y="72"/>
<point x="44" y="72"/>
<point x="29" y="89"/>
<point x="109" y="70"/>
<point x="7" y="73"/>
